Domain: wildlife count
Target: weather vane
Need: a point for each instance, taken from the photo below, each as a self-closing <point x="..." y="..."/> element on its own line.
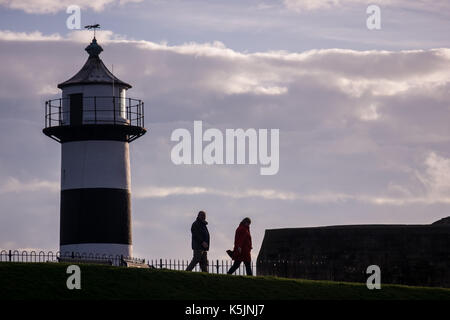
<point x="92" y="26"/>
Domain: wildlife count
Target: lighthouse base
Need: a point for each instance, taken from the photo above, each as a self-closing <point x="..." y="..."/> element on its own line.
<point x="97" y="249"/>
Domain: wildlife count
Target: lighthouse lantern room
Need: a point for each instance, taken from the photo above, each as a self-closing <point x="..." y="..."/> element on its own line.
<point x="95" y="121"/>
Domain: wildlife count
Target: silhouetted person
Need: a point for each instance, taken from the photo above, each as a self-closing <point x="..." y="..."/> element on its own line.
<point x="242" y="247"/>
<point x="200" y="243"/>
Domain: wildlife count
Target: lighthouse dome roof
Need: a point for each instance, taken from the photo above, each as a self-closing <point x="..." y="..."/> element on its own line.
<point x="94" y="70"/>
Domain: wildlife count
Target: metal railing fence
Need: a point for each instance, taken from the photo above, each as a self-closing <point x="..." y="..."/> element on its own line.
<point x="215" y="266"/>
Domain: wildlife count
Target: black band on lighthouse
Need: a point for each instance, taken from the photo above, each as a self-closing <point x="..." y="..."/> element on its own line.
<point x="95" y="215"/>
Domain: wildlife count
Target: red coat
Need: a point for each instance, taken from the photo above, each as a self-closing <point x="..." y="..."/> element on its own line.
<point x="242" y="240"/>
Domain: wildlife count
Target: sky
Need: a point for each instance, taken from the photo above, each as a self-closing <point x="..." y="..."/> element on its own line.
<point x="363" y="114"/>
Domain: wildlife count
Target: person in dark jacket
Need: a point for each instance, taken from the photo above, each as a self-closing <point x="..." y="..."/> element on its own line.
<point x="200" y="243"/>
<point x="242" y="247"/>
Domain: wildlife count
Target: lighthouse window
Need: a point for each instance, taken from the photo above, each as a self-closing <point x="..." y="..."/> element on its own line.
<point x="76" y="109"/>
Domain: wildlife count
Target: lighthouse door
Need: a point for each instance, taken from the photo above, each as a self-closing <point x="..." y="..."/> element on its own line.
<point x="76" y="109"/>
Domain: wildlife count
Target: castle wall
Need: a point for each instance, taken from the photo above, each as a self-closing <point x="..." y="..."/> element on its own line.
<point x="406" y="254"/>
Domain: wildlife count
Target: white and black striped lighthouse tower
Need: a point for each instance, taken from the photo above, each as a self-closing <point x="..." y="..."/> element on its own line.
<point x="94" y="121"/>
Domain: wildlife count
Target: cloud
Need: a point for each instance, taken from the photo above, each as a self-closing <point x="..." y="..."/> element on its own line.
<point x="300" y="5"/>
<point x="158" y="192"/>
<point x="436" y="179"/>
<point x="162" y="192"/>
<point x="354" y="73"/>
<point x="81" y="36"/>
<point x="54" y="6"/>
<point x="351" y="66"/>
<point x="309" y="5"/>
<point x="13" y="185"/>
<point x="7" y="35"/>
<point x="271" y="194"/>
<point x="370" y="113"/>
<point x="266" y="194"/>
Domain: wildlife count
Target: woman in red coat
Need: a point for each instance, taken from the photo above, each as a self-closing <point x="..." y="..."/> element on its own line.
<point x="242" y="247"/>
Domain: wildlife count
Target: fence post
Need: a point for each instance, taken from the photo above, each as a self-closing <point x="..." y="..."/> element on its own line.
<point x="10" y="255"/>
<point x="160" y="263"/>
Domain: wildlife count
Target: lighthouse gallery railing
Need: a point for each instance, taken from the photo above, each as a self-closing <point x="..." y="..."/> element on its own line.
<point x="97" y="110"/>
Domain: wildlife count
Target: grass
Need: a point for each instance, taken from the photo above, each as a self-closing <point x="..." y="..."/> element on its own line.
<point x="48" y="281"/>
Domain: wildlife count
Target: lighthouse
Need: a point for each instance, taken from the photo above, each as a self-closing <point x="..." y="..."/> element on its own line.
<point x="95" y="122"/>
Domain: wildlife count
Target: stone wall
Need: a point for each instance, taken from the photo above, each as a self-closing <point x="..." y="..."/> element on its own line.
<point x="406" y="254"/>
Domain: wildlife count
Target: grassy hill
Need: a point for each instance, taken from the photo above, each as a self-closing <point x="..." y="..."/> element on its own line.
<point x="48" y="281"/>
